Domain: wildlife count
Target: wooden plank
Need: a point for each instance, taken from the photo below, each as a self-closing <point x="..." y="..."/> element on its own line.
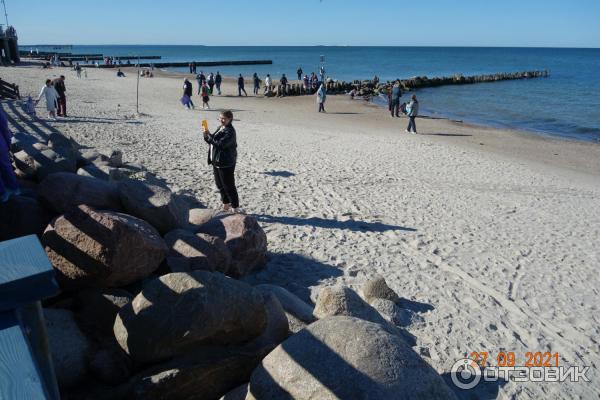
<point x="26" y="274"/>
<point x="19" y="378"/>
<point x="33" y="324"/>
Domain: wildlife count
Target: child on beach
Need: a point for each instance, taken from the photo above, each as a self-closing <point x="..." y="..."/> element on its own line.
<point x="412" y="110"/>
<point x="30" y="106"/>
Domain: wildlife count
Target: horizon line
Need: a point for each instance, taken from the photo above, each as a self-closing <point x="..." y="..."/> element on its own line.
<point x="313" y="45"/>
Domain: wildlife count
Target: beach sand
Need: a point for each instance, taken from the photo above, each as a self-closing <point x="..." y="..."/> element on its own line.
<point x="490" y="236"/>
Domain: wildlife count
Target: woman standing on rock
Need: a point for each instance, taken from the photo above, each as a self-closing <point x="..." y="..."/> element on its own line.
<point x="222" y="154"/>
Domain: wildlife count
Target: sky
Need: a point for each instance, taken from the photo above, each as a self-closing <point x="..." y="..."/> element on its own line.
<point x="524" y="23"/>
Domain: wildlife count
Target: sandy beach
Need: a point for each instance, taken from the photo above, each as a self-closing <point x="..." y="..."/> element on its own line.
<point x="490" y="236"/>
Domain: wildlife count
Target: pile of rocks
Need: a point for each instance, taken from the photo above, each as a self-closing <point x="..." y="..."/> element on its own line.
<point x="153" y="305"/>
<point x="368" y="88"/>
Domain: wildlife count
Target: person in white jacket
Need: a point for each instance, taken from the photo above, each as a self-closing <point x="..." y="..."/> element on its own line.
<point x="51" y="96"/>
<point x="268" y="84"/>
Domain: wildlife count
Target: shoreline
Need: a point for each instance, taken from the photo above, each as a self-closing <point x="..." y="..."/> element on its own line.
<point x="560" y="151"/>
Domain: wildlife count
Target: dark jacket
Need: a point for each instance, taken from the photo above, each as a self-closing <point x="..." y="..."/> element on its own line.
<point x="218" y="79"/>
<point x="187" y="88"/>
<point x="241" y="82"/>
<point x="396" y="93"/>
<point x="59" y="86"/>
<point x="223" y="146"/>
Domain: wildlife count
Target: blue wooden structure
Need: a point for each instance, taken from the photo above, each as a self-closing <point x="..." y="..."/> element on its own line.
<point x="26" y="277"/>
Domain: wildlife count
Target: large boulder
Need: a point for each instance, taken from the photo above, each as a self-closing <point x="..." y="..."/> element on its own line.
<point x="64" y="190"/>
<point x="21" y="216"/>
<point x="153" y="203"/>
<point x="211" y="371"/>
<point x="180" y="311"/>
<point x="200" y="216"/>
<point x="245" y="239"/>
<point x="391" y="312"/>
<point x="68" y="346"/>
<point x="346" y="358"/>
<point x="377" y="288"/>
<point x="96" y="310"/>
<point x="38" y="164"/>
<point x="198" y="251"/>
<point x="343" y="301"/>
<point x="90" y="248"/>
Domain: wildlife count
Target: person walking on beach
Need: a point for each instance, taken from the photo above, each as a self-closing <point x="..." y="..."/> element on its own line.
<point x="321" y="97"/>
<point x="299" y="72"/>
<point x="222" y="155"/>
<point x="218" y="80"/>
<point x="78" y="70"/>
<point x="204" y="95"/>
<point x="51" y="96"/>
<point x="241" y="86"/>
<point x="187" y="94"/>
<point x="256" y="81"/>
<point x="306" y="83"/>
<point x="284" y="82"/>
<point x="211" y="83"/>
<point x="396" y="94"/>
<point x="8" y="180"/>
<point x="412" y="110"/>
<point x="59" y="86"/>
<point x="322" y="73"/>
<point x="268" y="84"/>
<point x="200" y="78"/>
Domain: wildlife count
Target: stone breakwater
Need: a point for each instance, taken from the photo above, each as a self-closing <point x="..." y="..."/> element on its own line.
<point x="154" y="305"/>
<point x="370" y="88"/>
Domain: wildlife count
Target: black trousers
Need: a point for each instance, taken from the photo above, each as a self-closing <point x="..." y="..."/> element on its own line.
<point x="395" y="108"/>
<point x="322" y="107"/>
<point x="411" y="124"/>
<point x="225" y="180"/>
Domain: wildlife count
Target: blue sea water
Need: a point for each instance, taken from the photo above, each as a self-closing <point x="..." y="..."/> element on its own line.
<point x="566" y="104"/>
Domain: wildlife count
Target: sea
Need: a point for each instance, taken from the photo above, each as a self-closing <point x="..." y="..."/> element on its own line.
<point x="566" y="104"/>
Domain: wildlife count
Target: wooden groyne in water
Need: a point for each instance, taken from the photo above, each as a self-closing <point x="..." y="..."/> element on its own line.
<point x="369" y="88"/>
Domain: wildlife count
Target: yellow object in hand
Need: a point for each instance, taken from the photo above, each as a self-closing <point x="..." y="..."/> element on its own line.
<point x="205" y="125"/>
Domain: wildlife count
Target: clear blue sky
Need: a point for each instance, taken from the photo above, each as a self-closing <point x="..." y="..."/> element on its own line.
<point x="547" y="23"/>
